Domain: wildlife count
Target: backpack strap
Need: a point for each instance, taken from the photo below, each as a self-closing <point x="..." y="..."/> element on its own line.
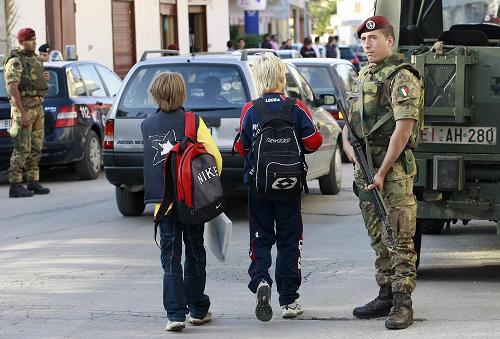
<point x="285" y="112"/>
<point x="191" y="123"/>
<point x="287" y="107"/>
<point x="169" y="189"/>
<point x="261" y="106"/>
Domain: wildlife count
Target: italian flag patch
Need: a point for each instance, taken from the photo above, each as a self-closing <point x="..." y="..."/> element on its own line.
<point x="403" y="91"/>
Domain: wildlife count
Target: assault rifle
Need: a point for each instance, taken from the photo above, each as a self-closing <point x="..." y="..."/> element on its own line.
<point x="377" y="201"/>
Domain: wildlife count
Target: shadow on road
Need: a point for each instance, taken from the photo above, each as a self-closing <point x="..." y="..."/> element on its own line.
<point x="483" y="273"/>
<point x="56" y="174"/>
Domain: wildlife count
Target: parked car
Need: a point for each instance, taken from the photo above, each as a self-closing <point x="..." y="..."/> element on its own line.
<point x="289" y="54"/>
<point x="360" y="53"/>
<point x="79" y="96"/>
<point x="329" y="76"/>
<point x="347" y="53"/>
<point x="123" y="144"/>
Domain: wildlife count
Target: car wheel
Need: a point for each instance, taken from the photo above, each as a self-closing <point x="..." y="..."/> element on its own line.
<point x="90" y="166"/>
<point x="330" y="183"/>
<point x="130" y="204"/>
<point x="417" y="241"/>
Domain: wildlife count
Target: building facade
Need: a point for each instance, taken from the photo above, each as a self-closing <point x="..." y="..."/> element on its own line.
<point x="116" y="32"/>
<point x="351" y="13"/>
<point x="288" y="19"/>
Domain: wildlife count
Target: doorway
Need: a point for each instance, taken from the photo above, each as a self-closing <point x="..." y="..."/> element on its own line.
<point x="198" y="28"/>
<point x="123" y="36"/>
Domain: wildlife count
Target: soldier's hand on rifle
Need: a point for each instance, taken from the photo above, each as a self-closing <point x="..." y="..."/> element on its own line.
<point x="378" y="181"/>
<point x="46" y="75"/>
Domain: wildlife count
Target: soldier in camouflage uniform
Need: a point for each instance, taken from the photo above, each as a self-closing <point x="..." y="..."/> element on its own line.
<point x="26" y="85"/>
<point x="387" y="116"/>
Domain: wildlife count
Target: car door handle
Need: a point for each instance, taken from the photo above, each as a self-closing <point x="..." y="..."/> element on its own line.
<point x="98" y="103"/>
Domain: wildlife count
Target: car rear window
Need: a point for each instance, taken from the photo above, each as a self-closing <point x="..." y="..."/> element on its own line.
<point x="320" y="79"/>
<point x="52" y="83"/>
<point x="209" y="87"/>
<point x="346" y="53"/>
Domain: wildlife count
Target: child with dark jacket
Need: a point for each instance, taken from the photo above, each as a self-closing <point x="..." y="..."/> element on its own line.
<point x="269" y="74"/>
<point x="182" y="293"/>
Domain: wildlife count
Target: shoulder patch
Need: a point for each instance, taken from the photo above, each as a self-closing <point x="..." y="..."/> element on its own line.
<point x="403" y="91"/>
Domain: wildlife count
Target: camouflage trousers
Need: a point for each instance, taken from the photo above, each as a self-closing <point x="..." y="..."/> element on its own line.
<point x="27" y="145"/>
<point x="395" y="266"/>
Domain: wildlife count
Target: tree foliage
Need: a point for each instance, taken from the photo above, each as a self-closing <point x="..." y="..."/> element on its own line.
<point x="321" y="11"/>
<point x="11" y="18"/>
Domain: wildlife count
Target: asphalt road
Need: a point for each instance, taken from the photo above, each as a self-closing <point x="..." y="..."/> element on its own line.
<point x="72" y="267"/>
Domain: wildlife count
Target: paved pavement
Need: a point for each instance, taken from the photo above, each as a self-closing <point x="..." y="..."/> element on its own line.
<point x="73" y="267"/>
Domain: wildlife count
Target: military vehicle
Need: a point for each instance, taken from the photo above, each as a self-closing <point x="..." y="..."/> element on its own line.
<point x="456" y="46"/>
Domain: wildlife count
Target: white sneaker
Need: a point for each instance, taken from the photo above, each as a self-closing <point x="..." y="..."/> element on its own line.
<point x="263" y="310"/>
<point x="197" y="321"/>
<point x="291" y="310"/>
<point x="175" y="326"/>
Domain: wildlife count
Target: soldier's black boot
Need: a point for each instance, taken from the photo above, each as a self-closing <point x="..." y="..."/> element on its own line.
<point x="378" y="307"/>
<point x="17" y="190"/>
<point x="401" y="315"/>
<point x="37" y="188"/>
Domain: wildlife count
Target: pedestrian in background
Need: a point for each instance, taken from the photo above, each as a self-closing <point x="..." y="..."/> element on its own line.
<point x="266" y="43"/>
<point x="182" y="293"/>
<point x="241" y="43"/>
<point x="319" y="49"/>
<point x="26" y="85"/>
<point x="307" y="51"/>
<point x="230" y="46"/>
<point x="387" y="117"/>
<point x="332" y="47"/>
<point x="43" y="52"/>
<point x="269" y="74"/>
<point x="287" y="44"/>
<point x="273" y="42"/>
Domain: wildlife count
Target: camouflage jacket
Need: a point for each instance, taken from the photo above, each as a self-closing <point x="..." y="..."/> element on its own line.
<point x="385" y="93"/>
<point x="26" y="69"/>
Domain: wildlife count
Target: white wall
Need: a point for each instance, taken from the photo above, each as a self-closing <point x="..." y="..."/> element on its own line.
<point x="147" y="26"/>
<point x="94" y="31"/>
<point x="3" y="41"/>
<point x="217" y="25"/>
<point x="32" y="14"/>
<point x="183" y="26"/>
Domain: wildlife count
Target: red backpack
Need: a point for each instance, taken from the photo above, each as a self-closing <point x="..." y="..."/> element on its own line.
<point x="191" y="180"/>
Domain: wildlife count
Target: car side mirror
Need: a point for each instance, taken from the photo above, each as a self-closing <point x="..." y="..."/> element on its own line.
<point x="326" y="99"/>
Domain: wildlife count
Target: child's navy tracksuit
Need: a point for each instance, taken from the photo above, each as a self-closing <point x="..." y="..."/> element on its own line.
<point x="264" y="213"/>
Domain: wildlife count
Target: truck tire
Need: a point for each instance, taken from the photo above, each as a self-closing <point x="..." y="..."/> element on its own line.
<point x="130" y="204"/>
<point x="432" y="226"/>
<point x="90" y="166"/>
<point x="417" y="241"/>
<point x="330" y="183"/>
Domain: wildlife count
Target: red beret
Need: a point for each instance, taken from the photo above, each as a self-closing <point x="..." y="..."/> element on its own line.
<point x="373" y="23"/>
<point x="25" y="34"/>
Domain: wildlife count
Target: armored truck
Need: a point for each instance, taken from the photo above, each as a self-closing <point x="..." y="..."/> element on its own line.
<point x="455" y="44"/>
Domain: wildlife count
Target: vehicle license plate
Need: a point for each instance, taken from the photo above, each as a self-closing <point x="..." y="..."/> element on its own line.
<point x="5" y="124"/>
<point x="459" y="135"/>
